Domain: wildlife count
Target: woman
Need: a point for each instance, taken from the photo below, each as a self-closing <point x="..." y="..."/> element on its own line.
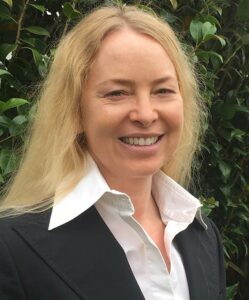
<point x="94" y="215"/>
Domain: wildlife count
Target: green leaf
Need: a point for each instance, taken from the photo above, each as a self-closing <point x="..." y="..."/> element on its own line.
<point x="37" y="30"/>
<point x="36" y="43"/>
<point x="5" y="49"/>
<point x="70" y="12"/>
<point x="196" y="30"/>
<point x="67" y="10"/>
<point x="4" y="73"/>
<point x="5" y="121"/>
<point x="236" y="268"/>
<point x="9" y="2"/>
<point x="217" y="37"/>
<point x="238" y="134"/>
<point x="221" y="40"/>
<point x="206" y="210"/>
<point x="17" y="125"/>
<point x="174" y="3"/>
<point x="208" y="29"/>
<point x="41" y="8"/>
<point x="228" y="110"/>
<point x="241" y="108"/>
<point x="205" y="55"/>
<point x="2" y="105"/>
<point x="11" y="103"/>
<point x="15" y="130"/>
<point x="209" y="18"/>
<point x="20" y="119"/>
<point x="41" y="61"/>
<point x="218" y="9"/>
<point x="208" y="205"/>
<point x="37" y="57"/>
<point x="5" y="13"/>
<point x="8" y="161"/>
<point x="1" y="179"/>
<point x="225" y="169"/>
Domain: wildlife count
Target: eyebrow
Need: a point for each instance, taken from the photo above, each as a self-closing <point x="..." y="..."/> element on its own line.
<point x="132" y="82"/>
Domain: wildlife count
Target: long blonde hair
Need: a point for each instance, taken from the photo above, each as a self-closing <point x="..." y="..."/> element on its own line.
<point x="55" y="153"/>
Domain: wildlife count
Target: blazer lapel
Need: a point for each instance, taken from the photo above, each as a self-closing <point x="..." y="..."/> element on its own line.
<point x="84" y="254"/>
<point x="196" y="259"/>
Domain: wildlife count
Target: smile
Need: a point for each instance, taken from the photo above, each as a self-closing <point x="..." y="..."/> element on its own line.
<point x="140" y="141"/>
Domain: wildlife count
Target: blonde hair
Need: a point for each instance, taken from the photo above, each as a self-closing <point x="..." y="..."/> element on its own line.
<point x="55" y="153"/>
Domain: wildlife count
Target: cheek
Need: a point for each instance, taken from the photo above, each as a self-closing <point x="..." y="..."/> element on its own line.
<point x="106" y="118"/>
<point x="98" y="124"/>
<point x="174" y="115"/>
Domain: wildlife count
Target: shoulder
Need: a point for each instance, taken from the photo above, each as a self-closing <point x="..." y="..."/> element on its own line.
<point x="209" y="235"/>
<point x="14" y="245"/>
<point x="201" y="246"/>
<point x="206" y="240"/>
<point x="211" y="230"/>
<point x="211" y="244"/>
<point x="16" y="256"/>
<point x="9" y="225"/>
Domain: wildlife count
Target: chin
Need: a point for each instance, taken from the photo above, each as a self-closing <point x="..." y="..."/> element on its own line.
<point x="143" y="169"/>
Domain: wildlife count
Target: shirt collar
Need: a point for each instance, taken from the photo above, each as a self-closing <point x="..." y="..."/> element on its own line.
<point x="91" y="187"/>
<point x="174" y="202"/>
<point x="180" y="206"/>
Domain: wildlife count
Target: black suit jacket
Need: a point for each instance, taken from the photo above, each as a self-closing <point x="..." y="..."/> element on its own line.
<point x="82" y="260"/>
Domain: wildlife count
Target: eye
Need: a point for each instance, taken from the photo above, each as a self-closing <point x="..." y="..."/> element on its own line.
<point x="164" y="91"/>
<point x="116" y="94"/>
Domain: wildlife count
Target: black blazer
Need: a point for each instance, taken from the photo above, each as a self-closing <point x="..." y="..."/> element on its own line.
<point x="82" y="260"/>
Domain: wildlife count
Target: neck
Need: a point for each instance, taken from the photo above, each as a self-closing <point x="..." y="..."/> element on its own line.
<point x="139" y="190"/>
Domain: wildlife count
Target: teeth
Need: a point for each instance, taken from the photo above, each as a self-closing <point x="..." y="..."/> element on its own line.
<point x="139" y="141"/>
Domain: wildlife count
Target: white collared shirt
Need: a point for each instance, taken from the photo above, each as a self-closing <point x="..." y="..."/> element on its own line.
<point x="177" y="207"/>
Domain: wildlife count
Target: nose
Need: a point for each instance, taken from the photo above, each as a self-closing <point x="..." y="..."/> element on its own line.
<point x="144" y="112"/>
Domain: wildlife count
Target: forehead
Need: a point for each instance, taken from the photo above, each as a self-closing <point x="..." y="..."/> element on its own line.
<point x="126" y="51"/>
<point x="128" y="41"/>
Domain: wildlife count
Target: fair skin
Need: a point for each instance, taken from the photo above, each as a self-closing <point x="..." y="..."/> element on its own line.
<point x="133" y="118"/>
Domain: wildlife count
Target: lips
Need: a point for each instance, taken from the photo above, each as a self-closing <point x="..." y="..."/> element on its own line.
<point x="140" y="141"/>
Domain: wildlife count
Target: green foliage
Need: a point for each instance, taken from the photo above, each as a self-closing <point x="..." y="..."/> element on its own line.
<point x="232" y="291"/>
<point x="215" y="34"/>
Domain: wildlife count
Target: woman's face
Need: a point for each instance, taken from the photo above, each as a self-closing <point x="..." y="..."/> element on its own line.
<point x="132" y="107"/>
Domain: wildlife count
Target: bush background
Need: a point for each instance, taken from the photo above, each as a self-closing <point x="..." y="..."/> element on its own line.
<point x="215" y="35"/>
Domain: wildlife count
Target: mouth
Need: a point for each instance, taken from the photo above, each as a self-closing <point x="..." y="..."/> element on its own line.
<point x="141" y="141"/>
